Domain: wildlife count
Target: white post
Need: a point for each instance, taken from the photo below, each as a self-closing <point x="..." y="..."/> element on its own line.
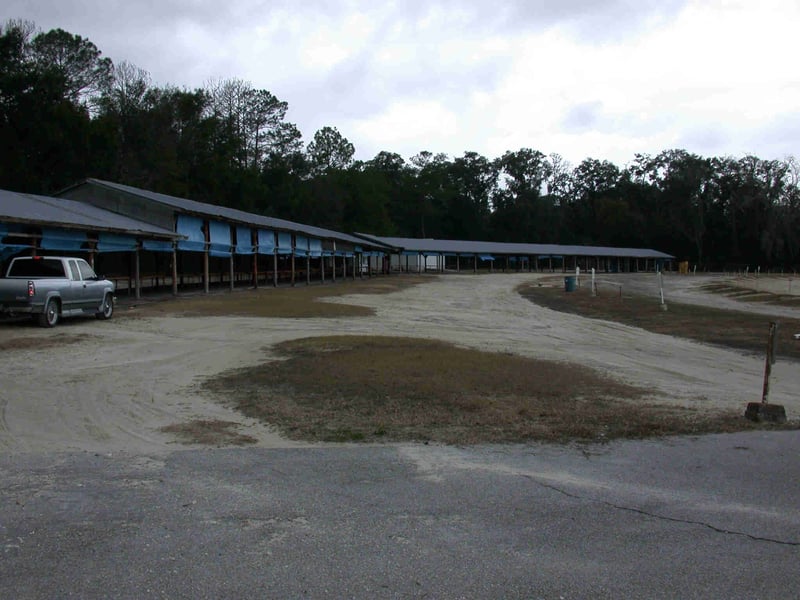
<point x="661" y="290"/>
<point x="594" y="288"/>
<point x="578" y="276"/>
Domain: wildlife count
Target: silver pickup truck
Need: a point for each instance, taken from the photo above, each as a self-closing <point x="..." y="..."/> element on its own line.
<point x="50" y="287"/>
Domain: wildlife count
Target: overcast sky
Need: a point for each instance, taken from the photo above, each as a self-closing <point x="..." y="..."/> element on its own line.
<point x="582" y="78"/>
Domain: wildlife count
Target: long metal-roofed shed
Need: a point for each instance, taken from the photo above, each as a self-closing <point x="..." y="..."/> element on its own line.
<point x="41" y="225"/>
<point x="415" y="254"/>
<point x="237" y="245"/>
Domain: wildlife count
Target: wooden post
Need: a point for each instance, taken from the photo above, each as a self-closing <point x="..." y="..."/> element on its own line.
<point x="205" y="259"/>
<point x="308" y="269"/>
<point x="174" y="270"/>
<point x="254" y="244"/>
<point x="231" y="268"/>
<point x="136" y="273"/>
<point x="292" y="261"/>
<point x="771" y="341"/>
<point x="763" y="411"/>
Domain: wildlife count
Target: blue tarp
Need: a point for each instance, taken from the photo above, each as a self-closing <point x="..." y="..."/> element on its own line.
<point x="220" y="237"/>
<point x="244" y="241"/>
<point x="300" y="245"/>
<point x="266" y="242"/>
<point x="192" y="228"/>
<point x="8" y="250"/>
<point x="110" y="242"/>
<point x="486" y="257"/>
<point x="315" y="247"/>
<point x="61" y="239"/>
<point x="157" y="245"/>
<point x="284" y="242"/>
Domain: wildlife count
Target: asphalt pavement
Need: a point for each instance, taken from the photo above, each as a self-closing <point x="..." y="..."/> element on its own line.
<point x="709" y="517"/>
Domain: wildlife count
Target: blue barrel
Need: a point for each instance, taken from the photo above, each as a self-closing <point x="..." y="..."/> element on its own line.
<point x="570" y="284"/>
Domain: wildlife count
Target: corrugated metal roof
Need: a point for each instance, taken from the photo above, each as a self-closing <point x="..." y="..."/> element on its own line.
<point x="512" y="249"/>
<point x="44" y="210"/>
<point x="232" y="214"/>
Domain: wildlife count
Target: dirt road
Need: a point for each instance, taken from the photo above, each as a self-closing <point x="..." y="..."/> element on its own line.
<point x="113" y="389"/>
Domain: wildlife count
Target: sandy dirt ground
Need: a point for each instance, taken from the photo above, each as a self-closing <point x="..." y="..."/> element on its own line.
<point x="114" y="389"/>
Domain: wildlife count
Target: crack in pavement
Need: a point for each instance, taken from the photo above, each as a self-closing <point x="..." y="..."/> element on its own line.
<point x="662" y="517"/>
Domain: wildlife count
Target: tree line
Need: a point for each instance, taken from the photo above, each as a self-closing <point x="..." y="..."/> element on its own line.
<point x="67" y="113"/>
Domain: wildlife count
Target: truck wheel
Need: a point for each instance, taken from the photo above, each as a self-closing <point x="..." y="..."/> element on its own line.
<point x="107" y="309"/>
<point x="49" y="317"/>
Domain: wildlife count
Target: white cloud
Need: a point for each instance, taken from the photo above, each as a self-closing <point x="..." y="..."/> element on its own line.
<point x="408" y="122"/>
<point x="601" y="78"/>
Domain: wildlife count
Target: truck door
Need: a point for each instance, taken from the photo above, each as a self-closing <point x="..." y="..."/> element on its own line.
<point x="92" y="291"/>
<point x="71" y="294"/>
<point x="88" y="295"/>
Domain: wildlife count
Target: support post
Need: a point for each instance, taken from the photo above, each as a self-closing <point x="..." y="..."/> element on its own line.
<point x="137" y="273"/>
<point x="773" y="328"/>
<point x="254" y="244"/>
<point x="763" y="411"/>
<point x="206" y="275"/>
<point x="174" y="271"/>
<point x="293" y="263"/>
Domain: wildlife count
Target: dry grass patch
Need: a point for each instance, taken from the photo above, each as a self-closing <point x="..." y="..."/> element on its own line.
<point x="284" y="302"/>
<point x="732" y="329"/>
<point x="359" y="388"/>
<point x="42" y="343"/>
<point x="209" y="433"/>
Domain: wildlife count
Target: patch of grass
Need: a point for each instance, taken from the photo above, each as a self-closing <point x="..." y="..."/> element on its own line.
<point x="365" y="388"/>
<point x="284" y="302"/>
<point x="41" y="343"/>
<point x="209" y="433"/>
<point x="732" y="329"/>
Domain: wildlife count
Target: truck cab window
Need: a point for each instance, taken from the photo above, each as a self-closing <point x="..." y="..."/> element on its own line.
<point x="86" y="271"/>
<point x="75" y="274"/>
